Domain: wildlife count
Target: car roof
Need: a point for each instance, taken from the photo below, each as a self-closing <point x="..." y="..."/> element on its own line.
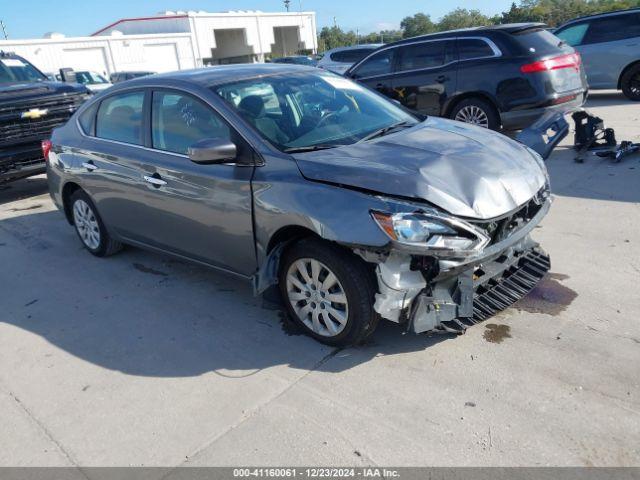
<point x="354" y="47"/>
<point x="472" y="31"/>
<point x="602" y="14"/>
<point x="221" y="74"/>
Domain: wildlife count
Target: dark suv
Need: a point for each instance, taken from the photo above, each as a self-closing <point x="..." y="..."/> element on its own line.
<point x="31" y="106"/>
<point x="501" y="76"/>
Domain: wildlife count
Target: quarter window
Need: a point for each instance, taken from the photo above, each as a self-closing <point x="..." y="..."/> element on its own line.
<point x="180" y="120"/>
<point x="473" y="48"/>
<point x="120" y="118"/>
<point x="379" y="64"/>
<point x="422" y="55"/>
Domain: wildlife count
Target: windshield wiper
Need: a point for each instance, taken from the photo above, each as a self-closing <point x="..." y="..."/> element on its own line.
<point x="310" y="148"/>
<point x="383" y="131"/>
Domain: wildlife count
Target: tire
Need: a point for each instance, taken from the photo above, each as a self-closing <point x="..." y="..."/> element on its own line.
<point x="476" y="112"/>
<point x="90" y="228"/>
<point x="343" y="309"/>
<point x="630" y="83"/>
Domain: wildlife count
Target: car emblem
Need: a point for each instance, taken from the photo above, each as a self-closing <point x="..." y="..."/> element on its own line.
<point x="34" y="113"/>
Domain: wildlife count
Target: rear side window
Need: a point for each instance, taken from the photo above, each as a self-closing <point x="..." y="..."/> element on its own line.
<point x="350" y="56"/>
<point x="538" y="41"/>
<point x="574" y="34"/>
<point x="613" y="28"/>
<point x="379" y="64"/>
<point x="422" y="55"/>
<point x="180" y="120"/>
<point x="470" y="48"/>
<point x="120" y="118"/>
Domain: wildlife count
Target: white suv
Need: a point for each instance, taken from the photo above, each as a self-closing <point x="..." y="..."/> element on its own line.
<point x="338" y="60"/>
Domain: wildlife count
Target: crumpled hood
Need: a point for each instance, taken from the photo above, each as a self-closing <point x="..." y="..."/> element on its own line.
<point x="466" y="170"/>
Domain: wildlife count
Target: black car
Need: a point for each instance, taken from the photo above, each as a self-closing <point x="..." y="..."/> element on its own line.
<point x="123" y="76"/>
<point x="31" y="106"/>
<point x="500" y="76"/>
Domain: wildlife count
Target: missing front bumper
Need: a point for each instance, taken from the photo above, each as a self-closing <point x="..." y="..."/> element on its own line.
<point x="477" y="295"/>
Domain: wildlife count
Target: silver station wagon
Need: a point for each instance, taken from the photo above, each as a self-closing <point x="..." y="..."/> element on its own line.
<point x="312" y="186"/>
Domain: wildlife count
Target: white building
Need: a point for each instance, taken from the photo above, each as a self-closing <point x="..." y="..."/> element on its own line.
<point x="174" y="41"/>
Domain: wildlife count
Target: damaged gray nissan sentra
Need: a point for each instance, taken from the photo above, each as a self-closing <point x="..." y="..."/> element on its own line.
<point x="305" y="182"/>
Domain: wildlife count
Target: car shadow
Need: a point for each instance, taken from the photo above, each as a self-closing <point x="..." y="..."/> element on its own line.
<point x="145" y="314"/>
<point x="606" y="98"/>
<point x="23" y="188"/>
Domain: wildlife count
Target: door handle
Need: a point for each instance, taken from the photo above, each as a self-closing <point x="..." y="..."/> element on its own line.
<point x="89" y="166"/>
<point x="156" y="181"/>
<point x="442" y="78"/>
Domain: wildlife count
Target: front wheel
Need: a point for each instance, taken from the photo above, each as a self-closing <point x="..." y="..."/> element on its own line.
<point x="329" y="292"/>
<point x="89" y="226"/>
<point x="630" y="83"/>
<point x="476" y="112"/>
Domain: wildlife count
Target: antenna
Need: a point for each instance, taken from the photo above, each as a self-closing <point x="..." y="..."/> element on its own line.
<point x="286" y="4"/>
<point x="4" y="30"/>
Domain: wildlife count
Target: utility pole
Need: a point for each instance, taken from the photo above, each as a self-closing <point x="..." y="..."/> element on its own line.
<point x="4" y="30"/>
<point x="286" y="4"/>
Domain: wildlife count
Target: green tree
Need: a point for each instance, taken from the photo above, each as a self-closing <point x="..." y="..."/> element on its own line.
<point x="462" y="18"/>
<point x="332" y="37"/>
<point x="419" y="24"/>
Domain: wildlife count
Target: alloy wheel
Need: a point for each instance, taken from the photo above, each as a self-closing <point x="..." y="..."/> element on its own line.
<point x="474" y="115"/>
<point x="317" y="297"/>
<point x="86" y="224"/>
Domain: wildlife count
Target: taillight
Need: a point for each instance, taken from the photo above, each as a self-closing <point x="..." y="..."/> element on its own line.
<point x="46" y="148"/>
<point x="570" y="60"/>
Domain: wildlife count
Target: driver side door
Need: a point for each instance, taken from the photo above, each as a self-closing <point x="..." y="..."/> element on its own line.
<point x="203" y="212"/>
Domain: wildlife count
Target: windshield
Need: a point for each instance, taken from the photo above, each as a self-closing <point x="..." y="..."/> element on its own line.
<point x="14" y="70"/>
<point x="90" y="78"/>
<point x="309" y="109"/>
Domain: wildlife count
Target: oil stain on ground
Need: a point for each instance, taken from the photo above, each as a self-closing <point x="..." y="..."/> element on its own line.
<point x="550" y="296"/>
<point x="143" y="268"/>
<point x="494" y="333"/>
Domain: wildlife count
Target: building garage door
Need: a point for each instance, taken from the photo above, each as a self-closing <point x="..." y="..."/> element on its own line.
<point x="94" y="59"/>
<point x="161" y="57"/>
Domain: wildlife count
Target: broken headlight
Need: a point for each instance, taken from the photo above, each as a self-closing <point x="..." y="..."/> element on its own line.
<point x="432" y="231"/>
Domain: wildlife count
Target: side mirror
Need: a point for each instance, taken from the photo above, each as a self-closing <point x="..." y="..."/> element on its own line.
<point x="212" y="150"/>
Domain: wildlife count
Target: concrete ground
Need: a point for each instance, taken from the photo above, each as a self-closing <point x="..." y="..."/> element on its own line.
<point x="139" y="359"/>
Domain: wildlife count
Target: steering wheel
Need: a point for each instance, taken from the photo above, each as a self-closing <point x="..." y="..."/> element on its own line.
<point x="326" y="118"/>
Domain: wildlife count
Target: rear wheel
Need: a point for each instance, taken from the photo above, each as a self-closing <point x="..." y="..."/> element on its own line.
<point x="329" y="292"/>
<point x="630" y="83"/>
<point x="89" y="226"/>
<point x="476" y="112"/>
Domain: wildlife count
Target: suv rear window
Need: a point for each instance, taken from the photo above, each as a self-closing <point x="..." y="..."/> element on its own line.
<point x="538" y="41"/>
<point x="350" y="56"/>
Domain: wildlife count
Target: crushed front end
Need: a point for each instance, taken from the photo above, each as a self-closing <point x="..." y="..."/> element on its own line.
<point x="444" y="274"/>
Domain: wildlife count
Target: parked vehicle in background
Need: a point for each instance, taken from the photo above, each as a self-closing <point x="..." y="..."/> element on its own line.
<point x="501" y="76"/>
<point x="54" y="77"/>
<point x="31" y="106"/>
<point x="295" y="177"/>
<point x="609" y="44"/>
<point x="296" y="60"/>
<point x="339" y="59"/>
<point x="122" y="76"/>
<point x="93" y="81"/>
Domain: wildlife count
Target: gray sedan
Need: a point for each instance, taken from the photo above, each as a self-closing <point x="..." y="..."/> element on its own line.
<point x="311" y="186"/>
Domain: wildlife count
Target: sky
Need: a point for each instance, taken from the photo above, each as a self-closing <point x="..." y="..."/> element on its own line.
<point x="34" y="18"/>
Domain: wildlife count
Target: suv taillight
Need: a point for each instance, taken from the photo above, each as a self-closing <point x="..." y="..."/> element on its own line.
<point x="570" y="60"/>
<point x="46" y="148"/>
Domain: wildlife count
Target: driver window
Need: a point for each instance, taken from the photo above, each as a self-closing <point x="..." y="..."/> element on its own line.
<point x="180" y="120"/>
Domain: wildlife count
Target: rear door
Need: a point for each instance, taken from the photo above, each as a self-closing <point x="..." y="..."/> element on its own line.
<point x="426" y="75"/>
<point x="609" y="45"/>
<point x="376" y="72"/>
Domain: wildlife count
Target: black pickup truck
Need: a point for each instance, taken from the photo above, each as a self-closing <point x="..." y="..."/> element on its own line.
<point x="31" y="106"/>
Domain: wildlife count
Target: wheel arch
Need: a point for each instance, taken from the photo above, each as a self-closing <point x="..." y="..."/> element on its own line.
<point x="454" y="101"/>
<point x="67" y="191"/>
<point x="625" y="70"/>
